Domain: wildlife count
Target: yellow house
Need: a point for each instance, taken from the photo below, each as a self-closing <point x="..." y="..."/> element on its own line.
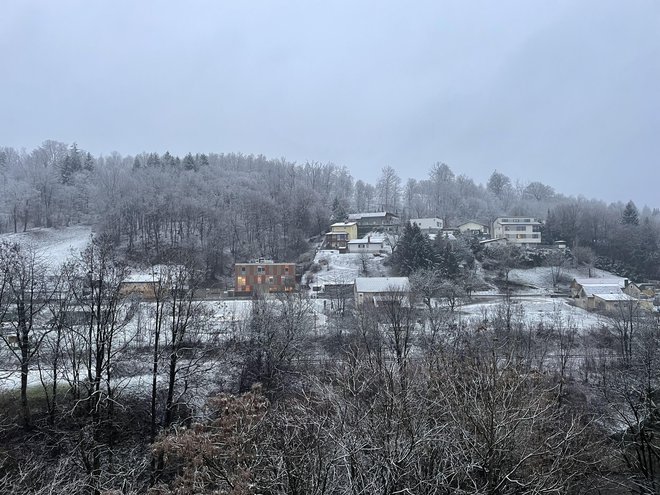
<point x="339" y="235"/>
<point x="348" y="227"/>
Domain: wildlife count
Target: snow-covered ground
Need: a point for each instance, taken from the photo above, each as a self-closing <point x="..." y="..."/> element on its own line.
<point x="541" y="277"/>
<point x="54" y="245"/>
<point x="535" y="310"/>
<point x="343" y="268"/>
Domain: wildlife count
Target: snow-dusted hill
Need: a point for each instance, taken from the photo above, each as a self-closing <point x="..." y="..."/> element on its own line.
<point x="55" y="245"/>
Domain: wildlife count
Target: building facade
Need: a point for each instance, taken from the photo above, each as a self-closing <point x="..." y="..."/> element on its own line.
<point x="428" y="225"/>
<point x="517" y="230"/>
<point x="340" y="234"/>
<point x="264" y="276"/>
<point x="382" y="221"/>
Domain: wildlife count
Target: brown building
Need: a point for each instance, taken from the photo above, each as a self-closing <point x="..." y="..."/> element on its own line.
<point x="264" y="276"/>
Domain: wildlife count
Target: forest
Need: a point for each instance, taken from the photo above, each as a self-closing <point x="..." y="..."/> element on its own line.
<point x="123" y="395"/>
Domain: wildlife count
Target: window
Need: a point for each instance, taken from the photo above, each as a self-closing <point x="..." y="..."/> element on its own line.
<point x="260" y="269"/>
<point x="242" y="269"/>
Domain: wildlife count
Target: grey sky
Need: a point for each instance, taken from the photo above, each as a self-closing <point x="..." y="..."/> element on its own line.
<point x="565" y="92"/>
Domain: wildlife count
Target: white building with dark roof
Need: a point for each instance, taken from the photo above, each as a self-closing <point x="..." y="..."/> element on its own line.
<point x="374" y="290"/>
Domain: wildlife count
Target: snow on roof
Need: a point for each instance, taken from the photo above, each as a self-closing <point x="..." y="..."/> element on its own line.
<point x="472" y="222"/>
<point x="620" y="296"/>
<point x="618" y="281"/>
<point x="367" y="240"/>
<point x="382" y="284"/>
<point x="591" y="290"/>
<point x="378" y="214"/>
<point x="150" y="274"/>
<point x="427" y="223"/>
<point x="343" y="224"/>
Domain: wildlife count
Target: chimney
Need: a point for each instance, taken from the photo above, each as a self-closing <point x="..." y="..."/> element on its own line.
<point x="368" y="239"/>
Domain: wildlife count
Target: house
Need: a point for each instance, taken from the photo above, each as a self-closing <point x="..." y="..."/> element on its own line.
<point x="367" y="245"/>
<point x="339" y="235"/>
<point x="377" y="290"/>
<point x="611" y="302"/>
<point x="264" y="276"/>
<point x="599" y="293"/>
<point x="517" y="230"/>
<point x="428" y="225"/>
<point x="382" y="221"/>
<point x="473" y="228"/>
<point x="145" y="283"/>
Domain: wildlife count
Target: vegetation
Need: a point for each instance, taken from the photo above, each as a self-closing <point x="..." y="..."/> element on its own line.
<point x="117" y="394"/>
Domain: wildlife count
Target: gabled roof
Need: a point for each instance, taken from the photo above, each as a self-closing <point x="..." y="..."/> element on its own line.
<point x="471" y="221"/>
<point x="601" y="290"/>
<point x="343" y="224"/>
<point x="382" y="284"/>
<point x="618" y="281"/>
<point x="620" y="296"/>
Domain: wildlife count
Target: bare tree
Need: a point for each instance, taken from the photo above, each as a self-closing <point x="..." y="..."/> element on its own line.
<point x="24" y="292"/>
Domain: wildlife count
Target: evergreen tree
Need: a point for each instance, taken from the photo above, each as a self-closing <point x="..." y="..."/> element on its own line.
<point x="338" y="211"/>
<point x="413" y="251"/>
<point x="189" y="162"/>
<point x="630" y="214"/>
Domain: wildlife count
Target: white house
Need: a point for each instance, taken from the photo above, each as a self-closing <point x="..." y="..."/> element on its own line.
<point x="366" y="245"/>
<point x="373" y="290"/>
<point x="517" y="230"/>
<point x="428" y="225"/>
<point x="473" y="228"/>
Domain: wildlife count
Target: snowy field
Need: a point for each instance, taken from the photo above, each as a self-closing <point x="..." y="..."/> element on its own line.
<point x="535" y="310"/>
<point x="541" y="277"/>
<point x="55" y="245"/>
<point x="338" y="268"/>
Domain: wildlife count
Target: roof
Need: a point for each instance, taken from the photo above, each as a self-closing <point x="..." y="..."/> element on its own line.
<point x="382" y="284"/>
<point x="601" y="290"/>
<point x="615" y="297"/>
<point x="618" y="281"/>
<point x="473" y="222"/>
<point x="368" y="240"/>
<point x="378" y="214"/>
<point x="151" y="274"/>
<point x="343" y="224"/>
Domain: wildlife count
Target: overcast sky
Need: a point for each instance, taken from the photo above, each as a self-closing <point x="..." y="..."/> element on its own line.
<point x="565" y="92"/>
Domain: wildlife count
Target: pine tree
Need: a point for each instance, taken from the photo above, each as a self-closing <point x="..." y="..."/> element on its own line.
<point x="413" y="251"/>
<point x="338" y="211"/>
<point x="630" y="214"/>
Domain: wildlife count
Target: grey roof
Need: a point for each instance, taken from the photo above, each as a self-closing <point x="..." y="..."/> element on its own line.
<point x="601" y="290"/>
<point x="378" y="214"/>
<point x="367" y="240"/>
<point x="382" y="284"/>
<point x="615" y="297"/>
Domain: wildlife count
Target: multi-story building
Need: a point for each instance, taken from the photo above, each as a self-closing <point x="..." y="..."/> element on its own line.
<point x="428" y="225"/>
<point x="382" y="221"/>
<point x="517" y="230"/>
<point x="264" y="276"/>
<point x="339" y="235"/>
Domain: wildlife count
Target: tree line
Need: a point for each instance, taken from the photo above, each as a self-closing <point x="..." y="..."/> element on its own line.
<point x="118" y="394"/>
